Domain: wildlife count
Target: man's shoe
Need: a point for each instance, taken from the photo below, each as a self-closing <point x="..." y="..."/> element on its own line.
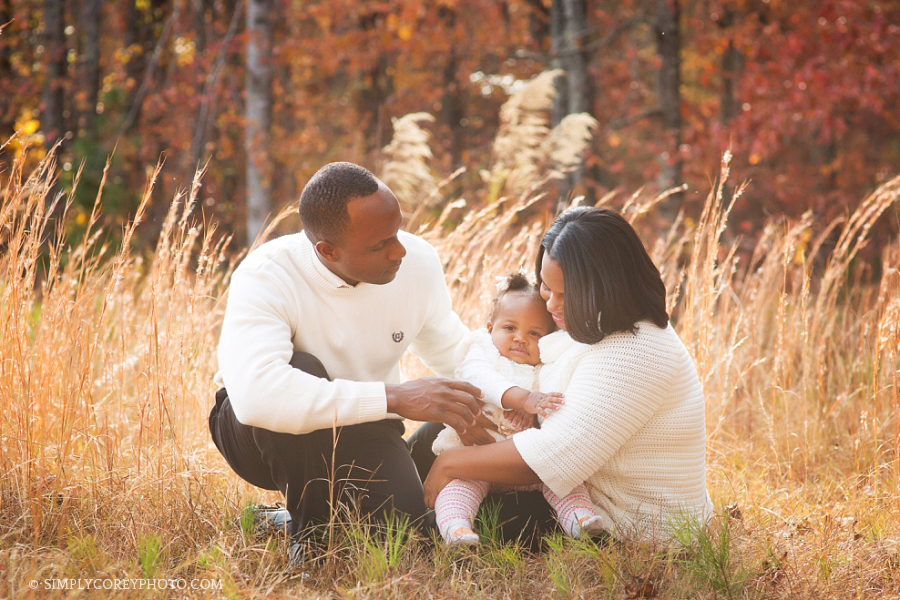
<point x="272" y="520"/>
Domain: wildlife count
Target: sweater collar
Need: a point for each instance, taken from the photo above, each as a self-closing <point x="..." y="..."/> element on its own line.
<point x="553" y="345"/>
<point x="328" y="278"/>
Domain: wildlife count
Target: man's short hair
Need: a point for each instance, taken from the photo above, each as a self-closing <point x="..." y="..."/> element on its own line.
<point x="323" y="202"/>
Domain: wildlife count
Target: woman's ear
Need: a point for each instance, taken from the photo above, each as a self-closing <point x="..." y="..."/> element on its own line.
<point x="328" y="251"/>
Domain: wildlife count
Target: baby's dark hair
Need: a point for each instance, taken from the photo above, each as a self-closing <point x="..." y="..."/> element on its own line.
<point x="518" y="283"/>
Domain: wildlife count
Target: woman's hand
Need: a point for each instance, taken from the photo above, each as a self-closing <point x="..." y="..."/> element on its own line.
<point x="437" y="479"/>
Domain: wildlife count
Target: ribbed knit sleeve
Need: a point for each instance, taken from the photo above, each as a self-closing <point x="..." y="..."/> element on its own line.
<point x="609" y="398"/>
<point x="254" y="351"/>
<point x="633" y="427"/>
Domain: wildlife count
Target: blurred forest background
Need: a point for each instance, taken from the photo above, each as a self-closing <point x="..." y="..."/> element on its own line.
<point x="264" y="92"/>
<point x="486" y="118"/>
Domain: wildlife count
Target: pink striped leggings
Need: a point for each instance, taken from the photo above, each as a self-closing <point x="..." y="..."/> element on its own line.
<point x="458" y="503"/>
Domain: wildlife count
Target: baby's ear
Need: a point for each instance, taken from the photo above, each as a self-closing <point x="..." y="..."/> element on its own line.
<point x="490" y="327"/>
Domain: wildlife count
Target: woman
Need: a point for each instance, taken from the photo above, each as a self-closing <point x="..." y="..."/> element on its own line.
<point x="633" y="427"/>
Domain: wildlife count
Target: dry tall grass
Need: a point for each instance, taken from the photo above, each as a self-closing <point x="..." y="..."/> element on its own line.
<point x="107" y="470"/>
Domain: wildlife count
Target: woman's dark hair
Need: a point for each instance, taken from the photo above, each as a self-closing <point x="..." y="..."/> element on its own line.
<point x="323" y="201"/>
<point x="606" y="272"/>
<point x="517" y="283"/>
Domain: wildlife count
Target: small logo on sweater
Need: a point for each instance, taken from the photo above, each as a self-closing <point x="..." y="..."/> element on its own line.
<point x="397" y="336"/>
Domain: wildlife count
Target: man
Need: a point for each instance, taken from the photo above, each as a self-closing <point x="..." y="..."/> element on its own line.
<point x="314" y="328"/>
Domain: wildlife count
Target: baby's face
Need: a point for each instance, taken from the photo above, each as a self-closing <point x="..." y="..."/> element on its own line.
<point x="519" y="321"/>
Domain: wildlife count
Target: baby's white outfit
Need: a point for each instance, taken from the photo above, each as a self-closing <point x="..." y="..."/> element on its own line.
<point x="473" y="354"/>
<point x="457" y="504"/>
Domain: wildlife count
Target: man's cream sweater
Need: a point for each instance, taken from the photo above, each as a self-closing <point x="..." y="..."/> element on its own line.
<point x="633" y="429"/>
<point x="282" y="299"/>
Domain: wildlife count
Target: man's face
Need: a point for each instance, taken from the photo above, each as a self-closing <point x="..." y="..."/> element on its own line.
<point x="369" y="251"/>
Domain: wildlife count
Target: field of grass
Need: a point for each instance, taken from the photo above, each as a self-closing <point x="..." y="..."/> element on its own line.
<point x="108" y="476"/>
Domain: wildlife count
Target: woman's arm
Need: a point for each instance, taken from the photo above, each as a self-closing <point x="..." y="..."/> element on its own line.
<point x="498" y="463"/>
<point x="617" y="387"/>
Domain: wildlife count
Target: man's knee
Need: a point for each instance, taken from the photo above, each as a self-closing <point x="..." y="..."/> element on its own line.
<point x="383" y="468"/>
<point x="420" y="443"/>
<point x="410" y="502"/>
<point x="308" y="363"/>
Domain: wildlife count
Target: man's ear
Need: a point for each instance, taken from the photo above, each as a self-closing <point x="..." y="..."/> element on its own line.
<point x="328" y="251"/>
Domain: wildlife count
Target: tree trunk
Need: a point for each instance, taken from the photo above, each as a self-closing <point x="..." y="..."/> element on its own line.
<point x="374" y="87"/>
<point x="201" y="24"/>
<point x="7" y="103"/>
<point x="91" y="15"/>
<point x="732" y="62"/>
<point x="568" y="26"/>
<point x="206" y="91"/>
<point x="134" y="67"/>
<point x="538" y="22"/>
<point x="52" y="115"/>
<point x="668" y="87"/>
<point x="258" y="114"/>
<point x="374" y="84"/>
<point x="575" y="60"/>
<point x="452" y="105"/>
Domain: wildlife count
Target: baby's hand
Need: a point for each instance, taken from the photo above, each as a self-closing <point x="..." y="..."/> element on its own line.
<point x="542" y="404"/>
<point x="518" y="420"/>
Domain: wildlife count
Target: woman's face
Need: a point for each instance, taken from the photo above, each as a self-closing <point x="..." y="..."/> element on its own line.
<point x="552" y="289"/>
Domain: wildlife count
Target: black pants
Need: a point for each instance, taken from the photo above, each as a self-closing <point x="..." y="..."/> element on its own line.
<point x="366" y="467"/>
<point x="523" y="516"/>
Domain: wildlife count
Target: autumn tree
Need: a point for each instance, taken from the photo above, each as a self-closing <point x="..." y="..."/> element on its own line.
<point x="55" y="51"/>
<point x="801" y="93"/>
<point x="258" y="114"/>
<point x="7" y="109"/>
<point x="809" y="85"/>
<point x="89" y="22"/>
<point x="666" y="26"/>
<point x="568" y="28"/>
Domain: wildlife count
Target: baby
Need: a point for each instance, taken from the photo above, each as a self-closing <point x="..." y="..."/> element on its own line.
<point x="519" y="318"/>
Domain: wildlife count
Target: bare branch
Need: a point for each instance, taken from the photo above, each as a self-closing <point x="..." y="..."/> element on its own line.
<point x="644" y="114"/>
<point x="208" y="104"/>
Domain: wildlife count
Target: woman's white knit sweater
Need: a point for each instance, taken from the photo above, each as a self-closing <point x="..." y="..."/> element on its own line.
<point x="282" y="299"/>
<point x="633" y="429"/>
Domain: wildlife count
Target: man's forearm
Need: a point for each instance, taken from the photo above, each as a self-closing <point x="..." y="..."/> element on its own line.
<point x="435" y="399"/>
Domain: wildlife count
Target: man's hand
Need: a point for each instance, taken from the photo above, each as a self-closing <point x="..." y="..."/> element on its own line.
<point x="477" y="434"/>
<point x="455" y="403"/>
